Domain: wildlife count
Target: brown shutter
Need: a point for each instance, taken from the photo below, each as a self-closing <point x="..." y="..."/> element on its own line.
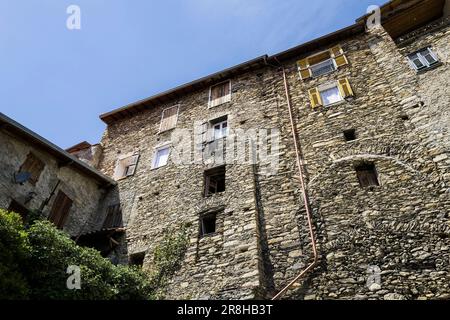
<point x="60" y="209"/>
<point x="113" y="217"/>
<point x="34" y="166"/>
<point x="220" y="90"/>
<point x="169" y="119"/>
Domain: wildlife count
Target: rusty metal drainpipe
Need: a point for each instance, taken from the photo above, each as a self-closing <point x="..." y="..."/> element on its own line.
<point x="305" y="197"/>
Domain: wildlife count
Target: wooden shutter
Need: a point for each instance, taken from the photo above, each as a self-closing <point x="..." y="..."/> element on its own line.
<point x="220" y="90"/>
<point x="344" y="88"/>
<point x="339" y="56"/>
<point x="314" y="97"/>
<point x="113" y="217"/>
<point x="303" y="66"/>
<point x="60" y="209"/>
<point x="34" y="166"/>
<point x="169" y="119"/>
<point x="131" y="167"/>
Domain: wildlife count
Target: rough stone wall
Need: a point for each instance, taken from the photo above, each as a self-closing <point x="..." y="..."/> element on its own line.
<point x="83" y="190"/>
<point x="400" y="228"/>
<point x="91" y="155"/>
<point x="226" y="264"/>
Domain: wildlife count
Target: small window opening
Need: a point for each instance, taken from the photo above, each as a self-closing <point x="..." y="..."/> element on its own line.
<point x="137" y="259"/>
<point x="350" y="135"/>
<point x="404" y="117"/>
<point x="30" y="170"/>
<point x="208" y="224"/>
<point x="18" y="208"/>
<point x="367" y="175"/>
<point x="214" y="181"/>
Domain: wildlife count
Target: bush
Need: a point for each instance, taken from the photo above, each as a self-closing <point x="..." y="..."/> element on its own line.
<point x="34" y="262"/>
<point x="14" y="252"/>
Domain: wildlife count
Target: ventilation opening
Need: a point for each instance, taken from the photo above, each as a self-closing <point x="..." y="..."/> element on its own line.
<point x="350" y="135"/>
<point x="208" y="224"/>
<point x="214" y="181"/>
<point x="404" y="117"/>
<point x="367" y="175"/>
<point x="137" y="259"/>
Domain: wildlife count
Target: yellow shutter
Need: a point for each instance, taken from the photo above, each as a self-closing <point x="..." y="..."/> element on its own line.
<point x="337" y="51"/>
<point x="339" y="56"/>
<point x="314" y="96"/>
<point x="303" y="66"/>
<point x="341" y="61"/>
<point x="344" y="88"/>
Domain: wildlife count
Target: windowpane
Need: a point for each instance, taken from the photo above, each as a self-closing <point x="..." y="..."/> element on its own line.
<point x="428" y="56"/>
<point x="418" y="63"/>
<point x="323" y="67"/>
<point x="330" y="96"/>
<point x="220" y="130"/>
<point x="162" y="155"/>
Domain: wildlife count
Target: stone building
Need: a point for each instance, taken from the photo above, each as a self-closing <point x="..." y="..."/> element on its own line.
<point x="328" y="161"/>
<point x="36" y="175"/>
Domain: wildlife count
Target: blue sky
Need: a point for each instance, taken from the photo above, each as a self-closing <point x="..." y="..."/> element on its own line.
<point x="57" y="81"/>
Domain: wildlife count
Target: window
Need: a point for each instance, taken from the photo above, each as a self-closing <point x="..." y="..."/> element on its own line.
<point x="423" y="59"/>
<point x="214" y="181"/>
<point x="16" y="207"/>
<point x="219" y="128"/>
<point x="169" y="119"/>
<point x="126" y="166"/>
<point x="161" y="157"/>
<point x="331" y="93"/>
<point x="137" y="259"/>
<point x="220" y="94"/>
<point x="350" y="135"/>
<point x="30" y="170"/>
<point x="322" y="63"/>
<point x="323" y="67"/>
<point x="208" y="224"/>
<point x="367" y="175"/>
<point x="113" y="217"/>
<point x="330" y="96"/>
<point x="60" y="209"/>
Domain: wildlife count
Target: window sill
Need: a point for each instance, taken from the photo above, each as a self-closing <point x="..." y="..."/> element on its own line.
<point x="219" y="102"/>
<point x="434" y="66"/>
<point x="156" y="168"/>
<point x="335" y="104"/>
<point x="209" y="235"/>
<point x="168" y="130"/>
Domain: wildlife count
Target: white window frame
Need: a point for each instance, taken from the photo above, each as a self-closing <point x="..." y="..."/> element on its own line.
<point x="221" y="100"/>
<point x="213" y="127"/>
<point x="162" y="117"/>
<point x="328" y="87"/>
<point x="422" y="59"/>
<point x="155" y="155"/>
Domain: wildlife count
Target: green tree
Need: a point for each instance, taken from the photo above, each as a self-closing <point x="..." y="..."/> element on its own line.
<point x="14" y="252"/>
<point x="34" y="262"/>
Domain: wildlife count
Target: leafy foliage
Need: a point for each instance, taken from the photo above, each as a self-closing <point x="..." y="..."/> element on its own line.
<point x="14" y="250"/>
<point x="34" y="262"/>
